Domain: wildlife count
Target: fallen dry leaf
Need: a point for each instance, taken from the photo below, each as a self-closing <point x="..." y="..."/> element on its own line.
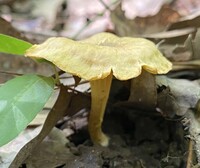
<point x="178" y="52"/>
<point x="195" y="45"/>
<point x="178" y="96"/>
<point x="146" y="25"/>
<point x="192" y="20"/>
<point x="9" y="151"/>
<point x="183" y="52"/>
<point x="58" y="111"/>
<point x="53" y="149"/>
<point x="90" y="14"/>
<point x="143" y="8"/>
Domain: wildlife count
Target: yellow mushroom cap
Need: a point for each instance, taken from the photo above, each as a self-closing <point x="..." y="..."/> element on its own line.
<point x="96" y="57"/>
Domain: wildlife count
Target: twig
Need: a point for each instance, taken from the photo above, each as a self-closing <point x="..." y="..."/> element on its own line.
<point x="190" y="154"/>
<point x="76" y="91"/>
<point x="194" y="130"/>
<point x="80" y="83"/>
<point x="104" y="4"/>
<point x="11" y="73"/>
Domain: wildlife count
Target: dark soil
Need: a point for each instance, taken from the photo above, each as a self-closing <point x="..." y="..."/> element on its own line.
<point x="137" y="140"/>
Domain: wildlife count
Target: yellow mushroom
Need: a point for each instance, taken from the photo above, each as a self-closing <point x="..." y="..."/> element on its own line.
<point x="97" y="59"/>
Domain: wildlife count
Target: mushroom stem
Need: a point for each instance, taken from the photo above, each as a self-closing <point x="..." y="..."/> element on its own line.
<point x="100" y="90"/>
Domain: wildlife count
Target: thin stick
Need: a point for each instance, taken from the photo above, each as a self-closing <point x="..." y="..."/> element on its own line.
<point x="74" y="90"/>
<point x="104" y="4"/>
<point x="11" y="73"/>
<point x="80" y="83"/>
<point x="190" y="154"/>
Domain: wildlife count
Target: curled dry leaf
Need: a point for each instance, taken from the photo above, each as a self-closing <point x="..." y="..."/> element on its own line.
<point x="194" y="47"/>
<point x="183" y="52"/>
<point x="182" y="95"/>
<point x="178" y="52"/>
<point x="52" y="147"/>
<point x="143" y="25"/>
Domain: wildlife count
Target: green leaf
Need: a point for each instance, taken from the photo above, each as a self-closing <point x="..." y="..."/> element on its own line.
<point x="11" y="45"/>
<point x="20" y="100"/>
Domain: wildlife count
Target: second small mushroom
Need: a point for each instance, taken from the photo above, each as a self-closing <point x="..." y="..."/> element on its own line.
<point x="97" y="59"/>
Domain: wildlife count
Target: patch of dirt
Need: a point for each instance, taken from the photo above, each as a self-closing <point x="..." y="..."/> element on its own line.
<point x="137" y="140"/>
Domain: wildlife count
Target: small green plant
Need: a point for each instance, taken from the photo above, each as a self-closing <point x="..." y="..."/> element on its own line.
<point x="23" y="97"/>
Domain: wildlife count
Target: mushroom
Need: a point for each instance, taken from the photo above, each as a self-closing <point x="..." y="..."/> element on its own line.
<point x="97" y="59"/>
